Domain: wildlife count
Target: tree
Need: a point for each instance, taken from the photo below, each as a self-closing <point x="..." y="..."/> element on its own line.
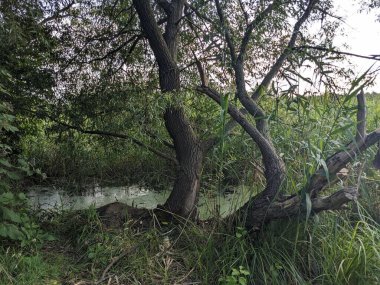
<point x="245" y="47"/>
<point x="261" y="206"/>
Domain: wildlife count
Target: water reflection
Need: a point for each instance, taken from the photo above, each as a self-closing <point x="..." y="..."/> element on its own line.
<point x="57" y="198"/>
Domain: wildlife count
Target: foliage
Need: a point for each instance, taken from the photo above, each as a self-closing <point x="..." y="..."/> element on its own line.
<point x="340" y="248"/>
<point x="15" y="221"/>
<point x="78" y="66"/>
<point x="237" y="277"/>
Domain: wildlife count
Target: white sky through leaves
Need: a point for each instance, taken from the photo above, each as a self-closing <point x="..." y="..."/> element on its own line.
<point x="362" y="35"/>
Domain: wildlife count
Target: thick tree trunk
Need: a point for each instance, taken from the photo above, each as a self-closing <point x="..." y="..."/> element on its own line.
<point x="189" y="151"/>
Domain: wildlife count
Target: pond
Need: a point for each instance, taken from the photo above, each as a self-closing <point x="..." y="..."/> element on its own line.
<point x="57" y="198"/>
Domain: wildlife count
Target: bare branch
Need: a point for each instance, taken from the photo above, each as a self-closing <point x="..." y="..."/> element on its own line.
<point x="286" y="52"/>
<point x="361" y="118"/>
<point x="372" y="57"/>
<point x="134" y="39"/>
<point x="251" y="26"/>
<point x="201" y="71"/>
<point x="196" y="11"/>
<point x="105" y="133"/>
<point x="246" y="17"/>
<point x="58" y="14"/>
<point x="121" y="136"/>
<point x="226" y="30"/>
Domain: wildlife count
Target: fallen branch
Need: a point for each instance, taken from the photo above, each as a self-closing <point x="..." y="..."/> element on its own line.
<point x="320" y="179"/>
<point x="293" y="206"/>
<point x="113" y="262"/>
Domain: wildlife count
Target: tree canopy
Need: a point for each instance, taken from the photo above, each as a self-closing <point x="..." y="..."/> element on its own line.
<point x="150" y="65"/>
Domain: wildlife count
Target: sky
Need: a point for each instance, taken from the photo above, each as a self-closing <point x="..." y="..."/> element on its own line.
<point x="362" y="35"/>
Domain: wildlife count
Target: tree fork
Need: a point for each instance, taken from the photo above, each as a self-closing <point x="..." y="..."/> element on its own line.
<point x="189" y="151"/>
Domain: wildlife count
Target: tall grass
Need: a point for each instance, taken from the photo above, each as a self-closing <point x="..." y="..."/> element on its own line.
<point x="332" y="248"/>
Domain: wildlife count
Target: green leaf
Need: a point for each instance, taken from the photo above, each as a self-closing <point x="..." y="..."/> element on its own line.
<point x="21" y="196"/>
<point x="6" y="197"/>
<point x="341" y="129"/>
<point x="243" y="271"/>
<point x="5" y="162"/>
<point x="10" y="215"/>
<point x="325" y="168"/>
<point x="242" y="281"/>
<point x="11" y="231"/>
<point x="13" y="175"/>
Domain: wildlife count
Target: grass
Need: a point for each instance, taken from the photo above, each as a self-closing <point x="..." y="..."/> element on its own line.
<point x="332" y="248"/>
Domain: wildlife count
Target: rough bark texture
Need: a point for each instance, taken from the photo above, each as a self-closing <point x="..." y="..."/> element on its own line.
<point x="167" y="67"/>
<point x="339" y="160"/>
<point x="183" y="197"/>
<point x="294" y="206"/>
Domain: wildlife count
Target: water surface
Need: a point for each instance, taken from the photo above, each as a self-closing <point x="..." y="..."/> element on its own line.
<point x="56" y="198"/>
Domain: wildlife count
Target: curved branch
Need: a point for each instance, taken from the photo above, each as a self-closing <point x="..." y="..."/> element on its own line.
<point x="293" y="206"/>
<point x="372" y="57"/>
<point x="274" y="166"/>
<point x="110" y="134"/>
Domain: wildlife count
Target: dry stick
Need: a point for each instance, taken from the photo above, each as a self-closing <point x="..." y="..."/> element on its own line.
<point x="114" y="261"/>
<point x="372" y="57"/>
<point x="361" y="118"/>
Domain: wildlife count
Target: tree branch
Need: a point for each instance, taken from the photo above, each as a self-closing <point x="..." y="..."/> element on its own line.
<point x="226" y="31"/>
<point x="274" y="166"/>
<point x="162" y="53"/>
<point x="105" y="133"/>
<point x="57" y="14"/>
<point x="361" y="118"/>
<point x="165" y="5"/>
<point x="338" y="161"/>
<point x="251" y="26"/>
<point x="373" y="57"/>
<point x="286" y="52"/>
<point x="293" y="206"/>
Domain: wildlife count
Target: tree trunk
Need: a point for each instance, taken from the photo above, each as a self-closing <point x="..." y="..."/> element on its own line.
<point x="189" y="152"/>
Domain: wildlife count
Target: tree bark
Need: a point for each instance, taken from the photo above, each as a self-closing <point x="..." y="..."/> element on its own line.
<point x="189" y="151"/>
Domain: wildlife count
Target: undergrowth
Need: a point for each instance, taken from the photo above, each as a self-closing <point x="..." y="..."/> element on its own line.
<point x="332" y="248"/>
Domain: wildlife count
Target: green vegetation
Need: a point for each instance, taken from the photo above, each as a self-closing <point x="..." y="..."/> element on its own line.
<point x="199" y="99"/>
<point x="330" y="248"/>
